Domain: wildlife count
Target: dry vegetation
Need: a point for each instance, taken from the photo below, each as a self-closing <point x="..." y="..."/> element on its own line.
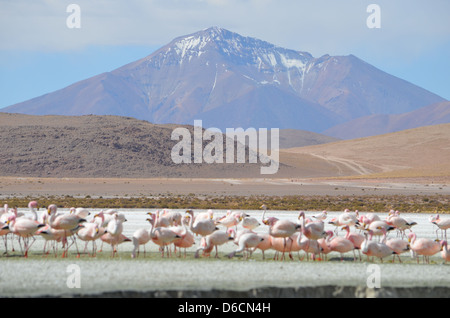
<point x="371" y="203"/>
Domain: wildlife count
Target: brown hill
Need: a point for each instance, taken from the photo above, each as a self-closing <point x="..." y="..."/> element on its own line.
<point x="96" y="146"/>
<point x="415" y="152"/>
<point x="113" y="146"/>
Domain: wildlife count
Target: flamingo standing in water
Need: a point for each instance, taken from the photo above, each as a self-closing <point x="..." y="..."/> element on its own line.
<point x="399" y="223"/>
<point x="24" y="228"/>
<point x="442" y="224"/>
<point x="90" y="233"/>
<point x="215" y="239"/>
<point x="341" y="245"/>
<point x="356" y="238"/>
<point x="375" y="249"/>
<point x="399" y="246"/>
<point x="67" y="222"/>
<point x="161" y="236"/>
<point x="423" y="246"/>
<point x="115" y="229"/>
<point x="281" y="229"/>
<point x="203" y="226"/>
<point x="445" y="251"/>
<point x="247" y="241"/>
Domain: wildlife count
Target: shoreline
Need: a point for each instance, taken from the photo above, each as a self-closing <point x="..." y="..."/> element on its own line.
<point x="423" y="195"/>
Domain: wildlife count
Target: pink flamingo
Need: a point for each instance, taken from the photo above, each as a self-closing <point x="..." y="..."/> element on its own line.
<point x="423" y="246"/>
<point x="265" y="244"/>
<point x="162" y="236"/>
<point x="186" y="239"/>
<point x="445" y="251"/>
<point x="341" y="245"/>
<point x="399" y="246"/>
<point x="230" y="219"/>
<point x="313" y="230"/>
<point x="375" y="249"/>
<point x="214" y="240"/>
<point x="282" y="229"/>
<point x="249" y="242"/>
<point x="399" y="223"/>
<point x="356" y="238"/>
<point x="90" y="233"/>
<point x="24" y="228"/>
<point x="308" y="246"/>
<point x="66" y="222"/>
<point x="203" y="226"/>
<point x="51" y="235"/>
<point x="442" y="224"/>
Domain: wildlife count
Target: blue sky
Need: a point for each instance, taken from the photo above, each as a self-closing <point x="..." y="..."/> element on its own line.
<point x="39" y="54"/>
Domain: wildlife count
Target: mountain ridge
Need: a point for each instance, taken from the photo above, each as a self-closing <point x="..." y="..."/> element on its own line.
<point x="229" y="80"/>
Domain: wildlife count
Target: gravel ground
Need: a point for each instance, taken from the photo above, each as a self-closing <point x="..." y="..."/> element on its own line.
<point x="38" y="276"/>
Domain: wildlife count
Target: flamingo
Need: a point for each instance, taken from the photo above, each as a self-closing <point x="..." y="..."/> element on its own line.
<point x="247" y="241"/>
<point x="90" y="233"/>
<point x="115" y="229"/>
<point x="356" y="238"/>
<point x="25" y="228"/>
<point x="399" y="246"/>
<point x="445" y="251"/>
<point x="66" y="222"/>
<point x="229" y="220"/>
<point x="216" y="239"/>
<point x="309" y="246"/>
<point x="423" y="246"/>
<point x="375" y="249"/>
<point x="377" y="227"/>
<point x="203" y="226"/>
<point x="4" y="231"/>
<point x="161" y="236"/>
<point x="114" y="240"/>
<point x="250" y="223"/>
<point x="265" y="244"/>
<point x="399" y="223"/>
<point x="341" y="245"/>
<point x="186" y="239"/>
<point x="321" y="217"/>
<point x="280" y="245"/>
<point x="313" y="230"/>
<point x="442" y="224"/>
<point x="282" y="229"/>
<point x="51" y="235"/>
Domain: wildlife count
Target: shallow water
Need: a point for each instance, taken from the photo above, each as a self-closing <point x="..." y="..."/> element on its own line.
<point x="54" y="276"/>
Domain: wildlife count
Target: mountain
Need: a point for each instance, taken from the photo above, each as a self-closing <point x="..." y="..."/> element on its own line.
<point x="229" y="80"/>
<point x="417" y="152"/>
<point x="438" y="113"/>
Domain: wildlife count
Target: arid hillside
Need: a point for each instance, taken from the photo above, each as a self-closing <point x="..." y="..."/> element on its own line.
<point x="97" y="146"/>
<point x="415" y="152"/>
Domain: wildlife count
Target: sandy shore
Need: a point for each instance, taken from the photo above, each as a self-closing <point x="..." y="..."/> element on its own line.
<point x="127" y="187"/>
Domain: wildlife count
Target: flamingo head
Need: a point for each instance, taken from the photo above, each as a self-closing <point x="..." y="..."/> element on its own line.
<point x="52" y="209"/>
<point x="231" y="233"/>
<point x="411" y="237"/>
<point x="264" y="207"/>
<point x="301" y="214"/>
<point x="270" y="221"/>
<point x="33" y="205"/>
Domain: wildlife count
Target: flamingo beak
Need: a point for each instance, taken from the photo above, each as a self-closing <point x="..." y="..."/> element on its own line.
<point x="49" y="212"/>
